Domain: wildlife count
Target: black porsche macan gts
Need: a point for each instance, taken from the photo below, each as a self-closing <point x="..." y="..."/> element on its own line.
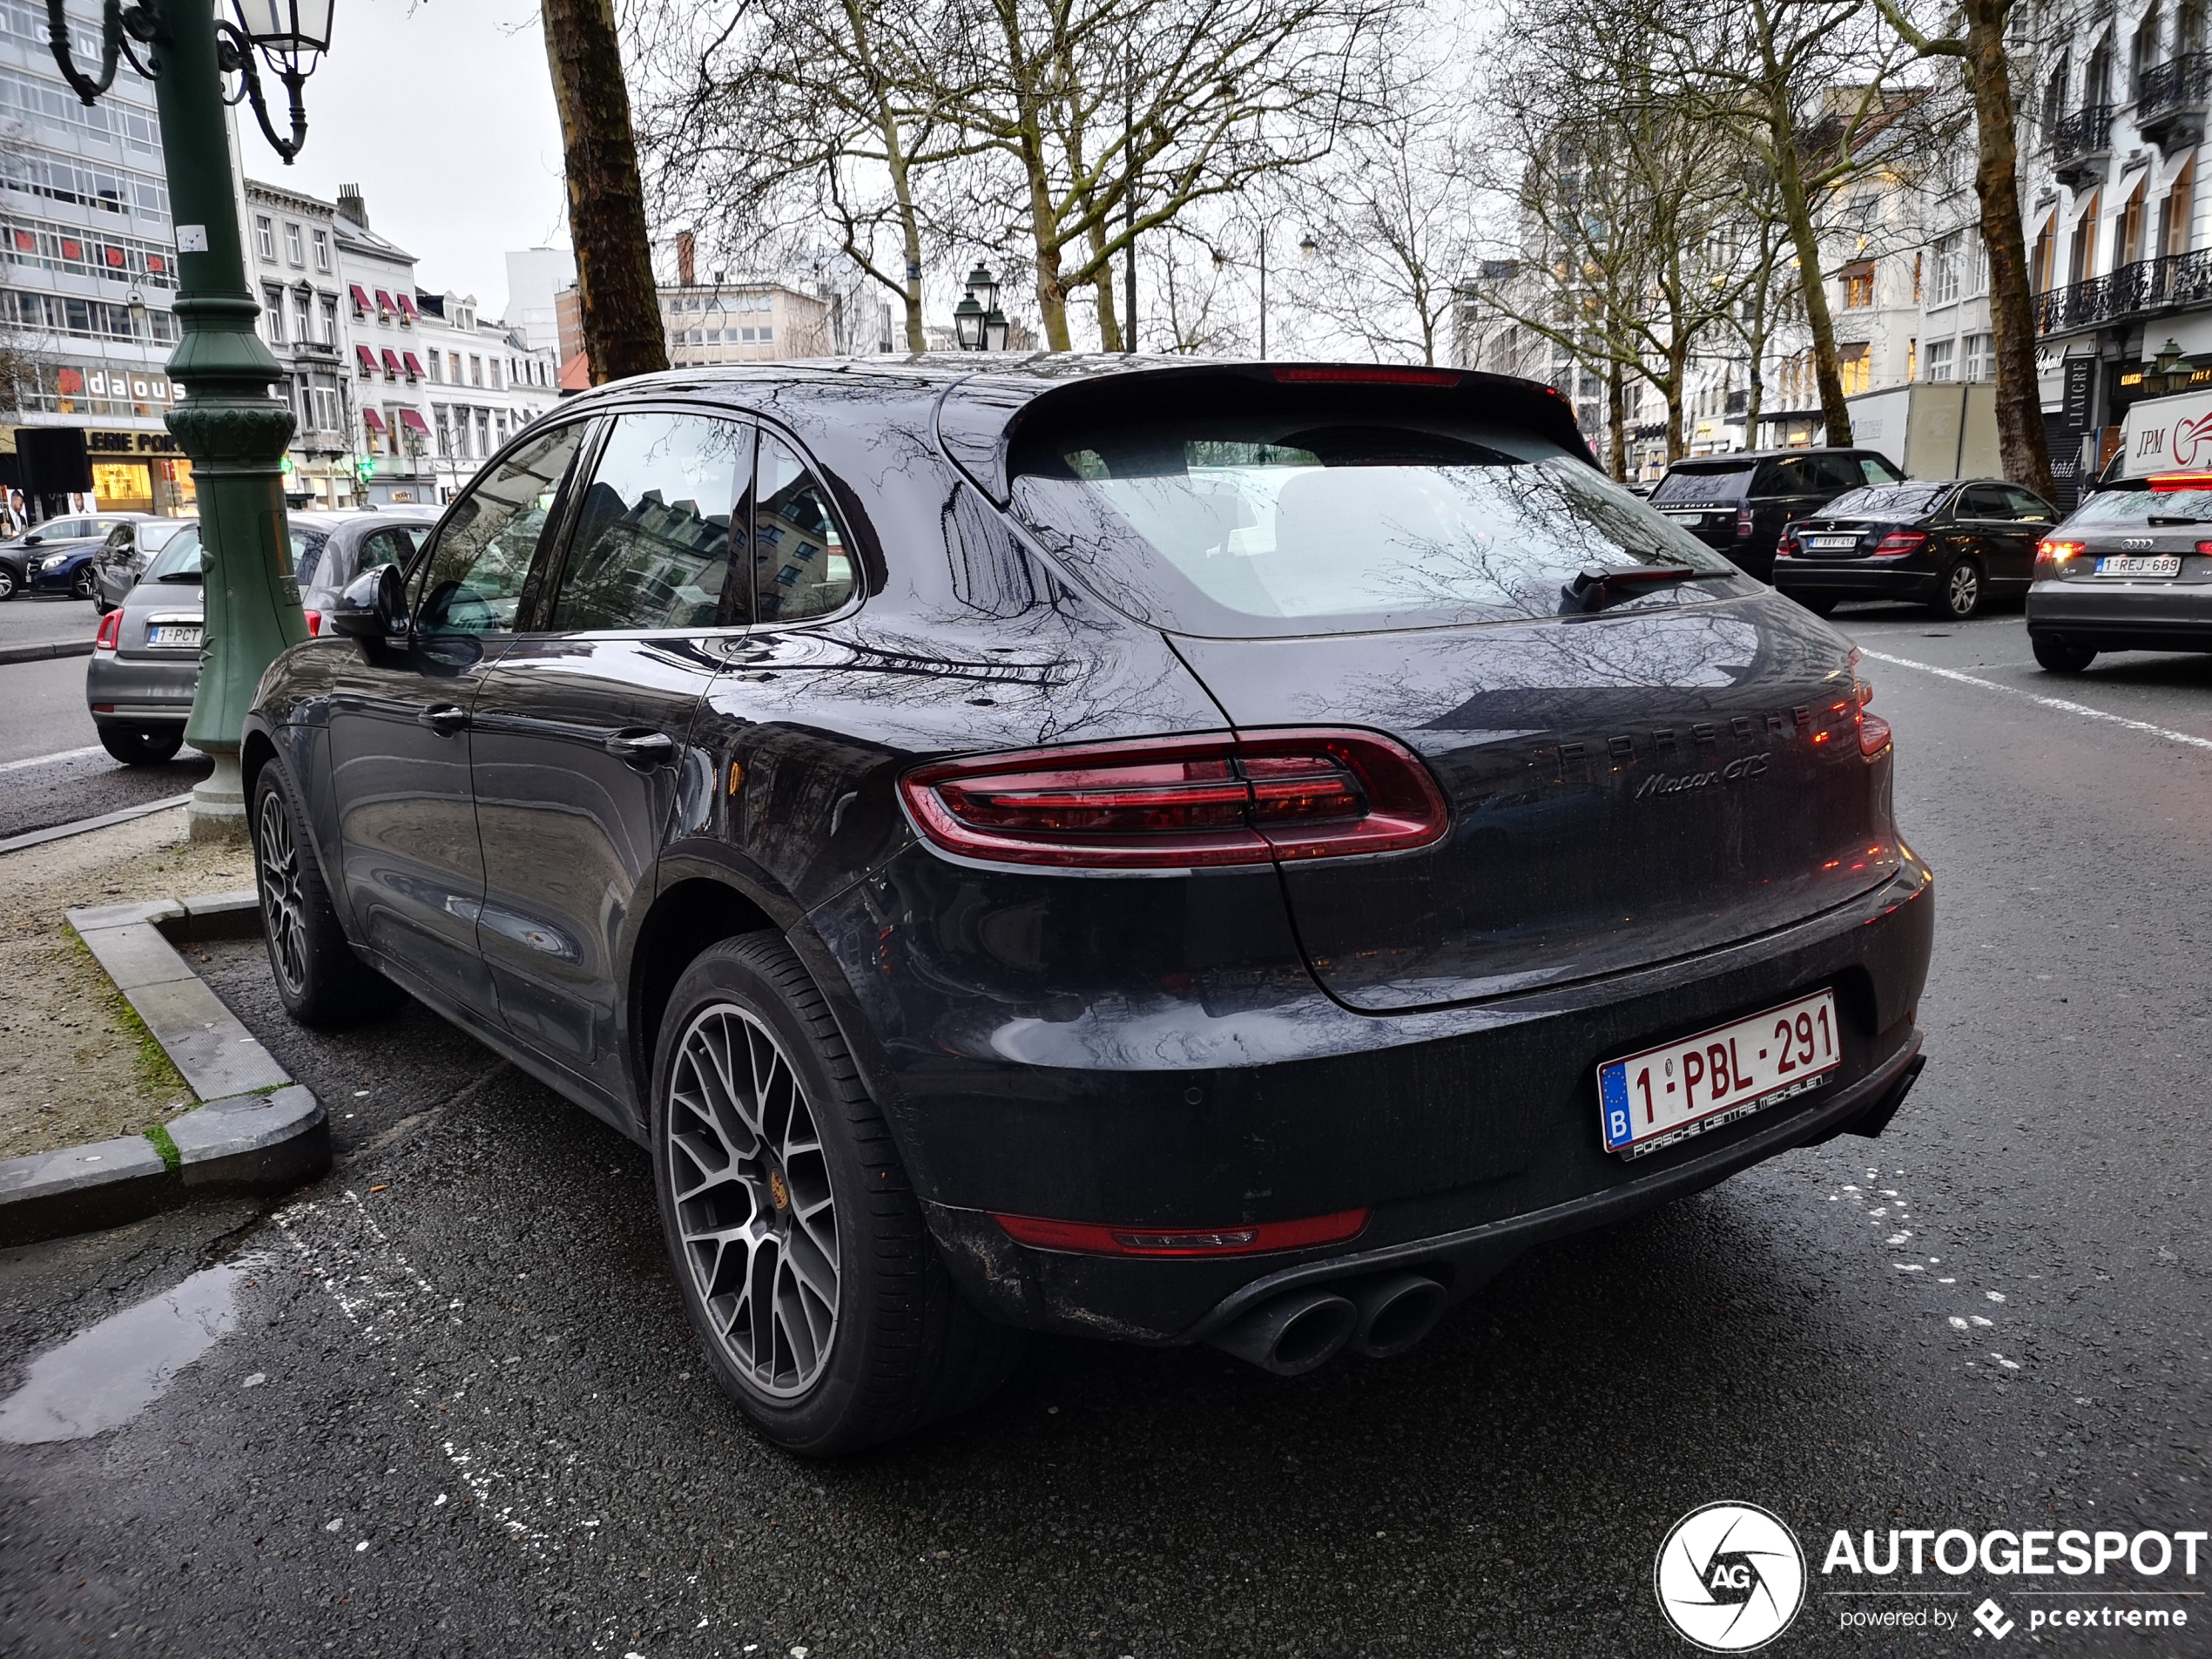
<point x="1158" y="850"/>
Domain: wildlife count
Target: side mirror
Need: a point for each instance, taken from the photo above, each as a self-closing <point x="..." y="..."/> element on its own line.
<point x="33" y="539"/>
<point x="374" y="605"/>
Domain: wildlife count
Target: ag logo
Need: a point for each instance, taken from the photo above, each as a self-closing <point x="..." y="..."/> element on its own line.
<point x="1731" y="1577"/>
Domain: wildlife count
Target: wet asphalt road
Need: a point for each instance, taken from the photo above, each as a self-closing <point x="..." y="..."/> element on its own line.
<point x="53" y="770"/>
<point x="459" y="1411"/>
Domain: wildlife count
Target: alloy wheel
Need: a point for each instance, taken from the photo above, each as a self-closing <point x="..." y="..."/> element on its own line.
<point x="753" y="1204"/>
<point x="7" y="582"/>
<point x="1962" y="590"/>
<point x="283" y="910"/>
<point x="86" y="585"/>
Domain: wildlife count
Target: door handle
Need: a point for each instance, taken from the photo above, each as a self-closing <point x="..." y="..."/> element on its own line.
<point x="445" y="719"/>
<point x="651" y="747"/>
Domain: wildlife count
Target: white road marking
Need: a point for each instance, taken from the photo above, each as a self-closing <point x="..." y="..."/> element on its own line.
<point x="50" y="760"/>
<point x="2063" y="705"/>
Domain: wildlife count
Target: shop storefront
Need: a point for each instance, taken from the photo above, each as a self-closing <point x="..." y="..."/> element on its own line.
<point x="140" y="472"/>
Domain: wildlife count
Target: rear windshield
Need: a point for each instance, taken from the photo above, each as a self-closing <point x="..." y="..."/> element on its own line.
<point x="2140" y="506"/>
<point x="179" y="557"/>
<point x="1243" y="525"/>
<point x="1886" y="501"/>
<point x="1703" y="484"/>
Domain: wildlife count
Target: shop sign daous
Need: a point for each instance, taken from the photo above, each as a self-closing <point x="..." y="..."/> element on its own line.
<point x="112" y="383"/>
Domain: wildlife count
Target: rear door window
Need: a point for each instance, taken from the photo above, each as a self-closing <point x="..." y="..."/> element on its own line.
<point x="1984" y="501"/>
<point x="1244" y="525"/>
<point x="1697" y="486"/>
<point x="1791" y="476"/>
<point x="2027" y="506"/>
<point x="1876" y="470"/>
<point x="802" y="562"/>
<point x="1834" y="472"/>
<point x="653" y="546"/>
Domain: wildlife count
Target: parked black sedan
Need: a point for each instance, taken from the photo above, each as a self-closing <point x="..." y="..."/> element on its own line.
<point x="1737" y="503"/>
<point x="2130" y="569"/>
<point x="1953" y="547"/>
<point x="1161" y="851"/>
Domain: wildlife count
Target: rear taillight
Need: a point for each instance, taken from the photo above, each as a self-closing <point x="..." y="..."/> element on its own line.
<point x="2052" y="557"/>
<point x="1170" y="803"/>
<point x="111" y="634"/>
<point x="1873" y="729"/>
<point x="1897" y="543"/>
<point x="1786" y="548"/>
<point x="314" y="623"/>
<point x="1743" y="520"/>
<point x="1243" y="1239"/>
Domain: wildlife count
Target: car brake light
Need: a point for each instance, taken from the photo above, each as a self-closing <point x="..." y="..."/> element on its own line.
<point x="1743" y="520"/>
<point x="1786" y="548"/>
<point x="314" y="623"/>
<point x="1897" y="543"/>
<point x="2051" y="557"/>
<point x="1174" y="803"/>
<point x="1357" y="374"/>
<point x="1243" y="1239"/>
<point x="2167" y="483"/>
<point x="111" y="634"/>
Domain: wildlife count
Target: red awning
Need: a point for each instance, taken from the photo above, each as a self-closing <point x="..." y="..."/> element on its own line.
<point x="383" y="302"/>
<point x="375" y="421"/>
<point x="391" y="361"/>
<point x="412" y="418"/>
<point x="414" y="365"/>
<point x="361" y="299"/>
<point x="367" y="358"/>
<point x="407" y="308"/>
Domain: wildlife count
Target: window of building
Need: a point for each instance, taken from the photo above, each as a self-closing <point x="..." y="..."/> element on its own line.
<point x="1916" y="278"/>
<point x="1858" y="285"/>
<point x="1942" y="359"/>
<point x="475" y="371"/>
<point x="1855" y="365"/>
<point x="1943" y="289"/>
<point x="2173" y="214"/>
<point x="322" y="250"/>
<point x="1977" y="263"/>
<point x="303" y="317"/>
<point x="494" y="367"/>
<point x="2083" y="263"/>
<point x="329" y="320"/>
<point x="453" y="361"/>
<point x="483" y="432"/>
<point x="295" y="246"/>
<point x="1912" y="358"/>
<point x="264" y="238"/>
<point x="767" y="335"/>
<point x="272" y="314"/>
<point x="437" y="364"/>
<point x="1981" y="358"/>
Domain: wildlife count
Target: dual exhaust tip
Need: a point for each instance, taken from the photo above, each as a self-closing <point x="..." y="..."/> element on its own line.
<point x="1299" y="1331"/>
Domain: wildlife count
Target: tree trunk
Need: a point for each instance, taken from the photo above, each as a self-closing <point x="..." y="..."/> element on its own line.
<point x="2020" y="438"/>
<point x="1677" y="375"/>
<point x="1797" y="213"/>
<point x="1616" y="414"/>
<point x="1044" y="219"/>
<point x="1109" y="325"/>
<point x="623" y="334"/>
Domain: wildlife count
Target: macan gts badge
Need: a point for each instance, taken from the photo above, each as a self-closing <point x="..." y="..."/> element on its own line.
<point x="1013" y="872"/>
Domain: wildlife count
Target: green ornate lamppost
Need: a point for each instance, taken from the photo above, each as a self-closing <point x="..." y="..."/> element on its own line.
<point x="228" y="427"/>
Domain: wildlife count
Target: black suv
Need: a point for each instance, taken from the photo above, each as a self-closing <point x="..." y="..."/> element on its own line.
<point x="1739" y="502"/>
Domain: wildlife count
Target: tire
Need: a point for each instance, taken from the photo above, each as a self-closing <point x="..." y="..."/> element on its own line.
<point x="8" y="583"/>
<point x="85" y="584"/>
<point x="142" y="745"/>
<point x="1960" y="591"/>
<point x="320" y="980"/>
<point x="860" y="1335"/>
<point x="2057" y="656"/>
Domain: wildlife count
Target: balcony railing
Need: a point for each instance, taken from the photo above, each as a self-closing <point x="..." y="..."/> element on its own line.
<point x="2179" y="280"/>
<point x="2170" y="101"/>
<point x="2081" y="144"/>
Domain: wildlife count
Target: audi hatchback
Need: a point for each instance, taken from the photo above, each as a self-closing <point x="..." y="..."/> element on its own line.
<point x="1160" y="851"/>
<point x="2130" y="569"/>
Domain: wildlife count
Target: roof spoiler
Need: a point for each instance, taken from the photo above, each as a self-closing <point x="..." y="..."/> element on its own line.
<point x="978" y="419"/>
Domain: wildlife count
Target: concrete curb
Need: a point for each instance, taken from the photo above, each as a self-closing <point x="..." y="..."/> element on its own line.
<point x="255" y="1130"/>
<point x="39" y="649"/>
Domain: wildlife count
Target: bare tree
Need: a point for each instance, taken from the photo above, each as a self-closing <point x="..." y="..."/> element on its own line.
<point x="622" y="327"/>
<point x="1984" y="67"/>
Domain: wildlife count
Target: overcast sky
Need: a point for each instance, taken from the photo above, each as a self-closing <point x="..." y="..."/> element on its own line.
<point x="441" y="110"/>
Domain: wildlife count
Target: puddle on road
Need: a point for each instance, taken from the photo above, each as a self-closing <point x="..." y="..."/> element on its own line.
<point x="103" y="1376"/>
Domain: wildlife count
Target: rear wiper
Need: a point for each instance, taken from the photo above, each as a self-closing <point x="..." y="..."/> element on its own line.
<point x="1596" y="587"/>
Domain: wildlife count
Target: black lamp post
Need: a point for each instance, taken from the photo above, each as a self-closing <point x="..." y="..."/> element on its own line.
<point x="229" y="427"/>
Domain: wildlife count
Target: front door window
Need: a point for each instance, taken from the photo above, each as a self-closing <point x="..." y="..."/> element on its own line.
<point x="473" y="583"/>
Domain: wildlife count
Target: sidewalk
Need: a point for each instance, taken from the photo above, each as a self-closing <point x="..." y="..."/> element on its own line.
<point x="74" y="1064"/>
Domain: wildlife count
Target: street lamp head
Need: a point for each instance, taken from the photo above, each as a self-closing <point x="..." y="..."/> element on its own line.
<point x="968" y="322"/>
<point x="288" y="29"/>
<point x="982" y="287"/>
<point x="994" y="328"/>
<point x="1308" y="248"/>
<point x="138" y="309"/>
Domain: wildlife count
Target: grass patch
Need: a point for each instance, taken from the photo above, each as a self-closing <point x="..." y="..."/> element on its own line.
<point x="157" y="1074"/>
<point x="166" y="1146"/>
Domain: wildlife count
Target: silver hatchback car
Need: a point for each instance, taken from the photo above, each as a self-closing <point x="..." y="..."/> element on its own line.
<point x="144" y="667"/>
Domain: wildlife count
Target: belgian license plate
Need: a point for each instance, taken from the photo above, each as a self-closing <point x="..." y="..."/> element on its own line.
<point x="1687" y="518"/>
<point x="1668" y="1094"/>
<point x="1831" y="543"/>
<point x="2141" y="564"/>
<point x="172" y="634"/>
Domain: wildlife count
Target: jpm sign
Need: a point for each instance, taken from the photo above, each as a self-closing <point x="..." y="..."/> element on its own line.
<point x="2162" y="434"/>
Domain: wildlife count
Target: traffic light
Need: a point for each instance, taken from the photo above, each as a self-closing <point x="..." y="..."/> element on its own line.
<point x="364" y="469"/>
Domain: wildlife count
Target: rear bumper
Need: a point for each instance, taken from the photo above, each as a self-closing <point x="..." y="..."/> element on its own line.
<point x="2124" y="615"/>
<point x="1468" y="1133"/>
<point x="140" y="691"/>
<point x="1854" y="581"/>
